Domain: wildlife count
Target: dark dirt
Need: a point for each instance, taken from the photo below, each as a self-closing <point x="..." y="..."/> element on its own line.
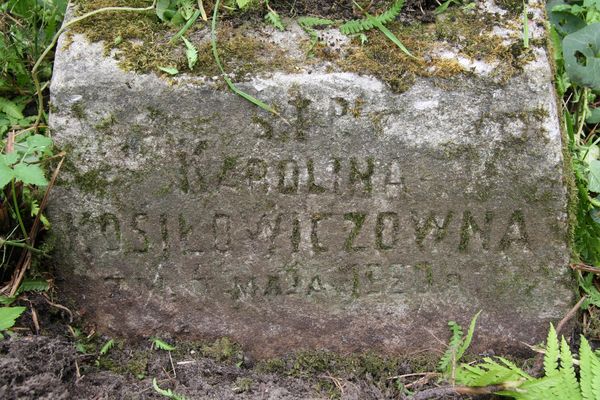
<point x="64" y="363"/>
<point x="421" y="10"/>
<point x="42" y="367"/>
<point x="346" y="9"/>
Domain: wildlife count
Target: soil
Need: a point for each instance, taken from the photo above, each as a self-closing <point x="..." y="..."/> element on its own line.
<point x="346" y="9"/>
<point x="63" y="363"/>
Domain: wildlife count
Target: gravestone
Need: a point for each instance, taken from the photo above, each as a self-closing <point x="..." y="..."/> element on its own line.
<point x="360" y="218"/>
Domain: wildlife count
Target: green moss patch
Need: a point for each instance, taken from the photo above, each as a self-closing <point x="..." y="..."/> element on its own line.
<point x="142" y="45"/>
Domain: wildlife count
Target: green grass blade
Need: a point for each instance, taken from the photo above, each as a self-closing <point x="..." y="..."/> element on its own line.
<point x="239" y="92"/>
<point x="525" y="26"/>
<point x="390" y="35"/>
<point x="187" y="26"/>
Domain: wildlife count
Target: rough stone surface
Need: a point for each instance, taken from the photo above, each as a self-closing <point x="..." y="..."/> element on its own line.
<point x="365" y="222"/>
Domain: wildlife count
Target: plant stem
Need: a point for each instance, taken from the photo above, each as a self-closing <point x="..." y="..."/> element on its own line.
<point x="17" y="212"/>
<point x="19" y="244"/>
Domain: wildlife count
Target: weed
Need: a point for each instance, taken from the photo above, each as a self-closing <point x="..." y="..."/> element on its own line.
<point x="168" y="393"/>
<point x="160" y="344"/>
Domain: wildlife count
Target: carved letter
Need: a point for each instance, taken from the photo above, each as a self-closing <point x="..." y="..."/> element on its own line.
<point x="295" y="238"/>
<point x="111" y="230"/>
<point x="424" y="228"/>
<point x="387" y="225"/>
<point x="469" y="227"/>
<point x="358" y="219"/>
<point x="365" y="176"/>
<point x="315" y="285"/>
<point x="241" y="290"/>
<point x="266" y="229"/>
<point x="312" y="186"/>
<point x="222" y="231"/>
<point x="143" y="243"/>
<point x="515" y="232"/>
<point x="185" y="232"/>
<point x="288" y="182"/>
<point x="314" y="236"/>
<point x="394" y="182"/>
<point x="256" y="171"/>
<point x="228" y="172"/>
<point x="273" y="288"/>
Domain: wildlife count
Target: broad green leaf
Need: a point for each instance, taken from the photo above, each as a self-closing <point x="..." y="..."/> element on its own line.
<point x="10" y="108"/>
<point x="190" y="53"/>
<point x="39" y="143"/>
<point x="594" y="176"/>
<point x="169" y="70"/>
<point x="582" y="56"/>
<point x="242" y="3"/>
<point x="591" y="153"/>
<point x="10" y="158"/>
<point x="162" y="6"/>
<point x="594" y="116"/>
<point x="30" y="174"/>
<point x="563" y="21"/>
<point x="6" y="174"/>
<point x="8" y="316"/>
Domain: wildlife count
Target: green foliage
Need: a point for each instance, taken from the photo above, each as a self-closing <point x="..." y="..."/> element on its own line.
<point x="274" y="19"/>
<point x="176" y="12"/>
<point x="581" y="51"/>
<point x="575" y="34"/>
<point x="8" y="316"/>
<point x="310" y="23"/>
<point x="107" y="346"/>
<point x="33" y="285"/>
<point x="168" y="393"/>
<point x="190" y="53"/>
<point x="160" y="344"/>
<point x="457" y="346"/>
<point x="559" y="382"/>
<point x="359" y="25"/>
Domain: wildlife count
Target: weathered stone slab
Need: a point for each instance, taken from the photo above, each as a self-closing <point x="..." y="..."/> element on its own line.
<point x="367" y="222"/>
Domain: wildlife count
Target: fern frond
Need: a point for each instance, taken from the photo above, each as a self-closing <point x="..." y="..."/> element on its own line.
<point x="460" y="351"/>
<point x="359" y="25"/>
<point x="356" y="26"/>
<point x="596" y="376"/>
<point x="552" y="353"/>
<point x="274" y="19"/>
<point x="449" y="357"/>
<point x="190" y="53"/>
<point x="491" y="372"/>
<point x="586" y="376"/>
<point x="593" y="295"/>
<point x="392" y="13"/>
<point x="161" y="344"/>
<point x="570" y="387"/>
<point x="535" y="389"/>
<point x="311" y="22"/>
<point x="33" y="285"/>
<point x="186" y="7"/>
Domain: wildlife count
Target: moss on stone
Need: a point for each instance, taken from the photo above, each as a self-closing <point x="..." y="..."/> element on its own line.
<point x="142" y="41"/>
